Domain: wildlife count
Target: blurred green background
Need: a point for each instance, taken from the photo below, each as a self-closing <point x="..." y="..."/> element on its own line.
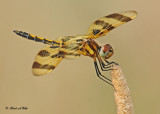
<point x="73" y="87"/>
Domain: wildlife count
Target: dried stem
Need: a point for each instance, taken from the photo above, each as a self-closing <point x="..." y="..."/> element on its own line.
<point x="122" y="92"/>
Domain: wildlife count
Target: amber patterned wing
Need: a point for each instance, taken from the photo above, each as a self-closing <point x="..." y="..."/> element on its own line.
<point x="51" y="55"/>
<point x="105" y="24"/>
<point x="46" y="60"/>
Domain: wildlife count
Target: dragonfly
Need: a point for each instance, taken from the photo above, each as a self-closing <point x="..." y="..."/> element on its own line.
<point x="70" y="47"/>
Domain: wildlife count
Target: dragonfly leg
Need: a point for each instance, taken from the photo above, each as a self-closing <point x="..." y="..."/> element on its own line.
<point x="104" y="67"/>
<point x="109" y="63"/>
<point x="105" y="79"/>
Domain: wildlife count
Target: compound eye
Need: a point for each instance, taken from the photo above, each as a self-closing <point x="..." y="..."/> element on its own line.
<point x="106" y="51"/>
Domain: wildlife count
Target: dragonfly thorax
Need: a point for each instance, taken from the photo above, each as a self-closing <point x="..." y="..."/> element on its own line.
<point x="89" y="48"/>
<point x="106" y="51"/>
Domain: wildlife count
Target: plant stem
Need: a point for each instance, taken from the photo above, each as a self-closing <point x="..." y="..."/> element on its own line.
<point x="122" y="92"/>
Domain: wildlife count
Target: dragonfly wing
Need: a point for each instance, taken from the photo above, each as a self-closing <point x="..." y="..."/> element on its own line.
<point x="105" y="24"/>
<point x="46" y="60"/>
<point x="50" y="56"/>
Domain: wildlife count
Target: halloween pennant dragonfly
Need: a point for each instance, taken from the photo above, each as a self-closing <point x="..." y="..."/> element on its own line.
<point x="73" y="46"/>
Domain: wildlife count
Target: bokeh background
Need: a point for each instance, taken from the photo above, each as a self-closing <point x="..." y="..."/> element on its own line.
<point x="73" y="87"/>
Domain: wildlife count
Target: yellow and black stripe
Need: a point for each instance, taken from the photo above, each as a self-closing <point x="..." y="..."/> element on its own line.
<point x="107" y="23"/>
<point x="35" y="38"/>
<point x="46" y="60"/>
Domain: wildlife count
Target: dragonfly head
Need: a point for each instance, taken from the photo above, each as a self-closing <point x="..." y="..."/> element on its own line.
<point x="106" y="51"/>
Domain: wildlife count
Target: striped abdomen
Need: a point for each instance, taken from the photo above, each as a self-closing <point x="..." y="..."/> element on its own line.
<point x="35" y="38"/>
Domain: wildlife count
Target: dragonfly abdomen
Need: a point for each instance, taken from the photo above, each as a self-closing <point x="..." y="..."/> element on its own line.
<point x="35" y="38"/>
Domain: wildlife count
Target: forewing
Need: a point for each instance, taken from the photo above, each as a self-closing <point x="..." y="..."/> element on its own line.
<point x="46" y="60"/>
<point x="105" y="24"/>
